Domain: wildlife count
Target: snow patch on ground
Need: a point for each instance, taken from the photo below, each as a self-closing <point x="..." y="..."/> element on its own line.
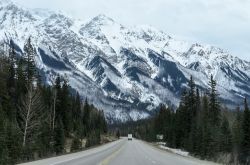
<point x="176" y="151"/>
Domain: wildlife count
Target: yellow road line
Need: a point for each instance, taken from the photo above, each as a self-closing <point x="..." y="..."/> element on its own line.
<point x="107" y="160"/>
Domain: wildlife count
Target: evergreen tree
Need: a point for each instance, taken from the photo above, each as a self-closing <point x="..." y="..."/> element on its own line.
<point x="104" y="126"/>
<point x="21" y="81"/>
<point x="118" y="134"/>
<point x="56" y="90"/>
<point x="226" y="136"/>
<point x="11" y="82"/>
<point x="214" y="103"/>
<point x="237" y="135"/>
<point x="29" y="59"/>
<point x="76" y="144"/>
<point x="13" y="142"/>
<point x="65" y="109"/>
<point x="192" y="112"/>
<point x="36" y="119"/>
<point x="181" y="133"/>
<point x="43" y="141"/>
<point x="5" y="98"/>
<point x="246" y="134"/>
<point x="206" y="150"/>
<point x="59" y="137"/>
<point x="214" y="117"/>
<point x="86" y="116"/>
<point x="3" y="137"/>
<point x="76" y="113"/>
<point x="192" y="102"/>
<point x="94" y="138"/>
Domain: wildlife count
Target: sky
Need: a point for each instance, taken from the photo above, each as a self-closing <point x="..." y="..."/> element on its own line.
<point x="222" y="23"/>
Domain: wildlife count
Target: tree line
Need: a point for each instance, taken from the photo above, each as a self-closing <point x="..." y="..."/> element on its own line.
<point x="201" y="126"/>
<point x="37" y="119"/>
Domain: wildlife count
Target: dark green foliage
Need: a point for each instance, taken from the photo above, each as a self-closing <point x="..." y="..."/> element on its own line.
<point x="29" y="61"/>
<point x="76" y="113"/>
<point x="65" y="110"/>
<point x="214" y="106"/>
<point x="226" y="136"/>
<point x="59" y="137"/>
<point x="76" y="144"/>
<point x="55" y="113"/>
<point x="237" y="133"/>
<point x="200" y="126"/>
<point x="246" y="134"/>
<point x="21" y="82"/>
<point x="3" y="137"/>
<point x="93" y="138"/>
<point x="13" y="142"/>
<point x="165" y="118"/>
<point x="86" y="116"/>
<point x="118" y="134"/>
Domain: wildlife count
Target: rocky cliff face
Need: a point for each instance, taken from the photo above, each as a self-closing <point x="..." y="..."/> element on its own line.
<point x="125" y="71"/>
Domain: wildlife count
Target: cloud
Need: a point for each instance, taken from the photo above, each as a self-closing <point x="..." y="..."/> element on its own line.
<point x="223" y="23"/>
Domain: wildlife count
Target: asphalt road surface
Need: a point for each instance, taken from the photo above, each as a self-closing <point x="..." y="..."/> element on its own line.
<point x="122" y="152"/>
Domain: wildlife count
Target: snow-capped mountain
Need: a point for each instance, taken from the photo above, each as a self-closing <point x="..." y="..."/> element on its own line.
<point x="126" y="71"/>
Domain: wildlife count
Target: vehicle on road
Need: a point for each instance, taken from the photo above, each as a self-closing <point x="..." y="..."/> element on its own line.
<point x="130" y="137"/>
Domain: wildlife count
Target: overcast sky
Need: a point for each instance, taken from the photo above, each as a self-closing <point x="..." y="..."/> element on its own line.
<point x="223" y="23"/>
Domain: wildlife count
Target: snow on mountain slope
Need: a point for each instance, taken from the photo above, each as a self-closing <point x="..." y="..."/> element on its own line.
<point x="127" y="71"/>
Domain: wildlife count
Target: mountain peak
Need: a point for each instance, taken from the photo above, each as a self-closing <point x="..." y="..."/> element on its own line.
<point x="102" y="19"/>
<point x="128" y="67"/>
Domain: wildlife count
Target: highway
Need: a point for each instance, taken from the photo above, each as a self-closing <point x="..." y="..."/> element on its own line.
<point x="122" y="152"/>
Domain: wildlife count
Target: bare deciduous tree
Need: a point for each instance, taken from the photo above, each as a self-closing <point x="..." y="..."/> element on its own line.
<point x="31" y="112"/>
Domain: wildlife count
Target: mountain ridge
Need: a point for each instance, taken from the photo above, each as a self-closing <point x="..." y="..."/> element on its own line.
<point x="126" y="71"/>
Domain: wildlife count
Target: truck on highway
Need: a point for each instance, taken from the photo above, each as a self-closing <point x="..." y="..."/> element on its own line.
<point x="130" y="137"/>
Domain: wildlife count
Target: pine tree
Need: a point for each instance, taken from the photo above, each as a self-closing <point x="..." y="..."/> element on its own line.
<point x="76" y="144"/>
<point x="226" y="136"/>
<point x="3" y="137"/>
<point x="57" y="94"/>
<point x="192" y="112"/>
<point x="181" y="133"/>
<point x="59" y="137"/>
<point x="21" y="81"/>
<point x="160" y="125"/>
<point x="214" y="103"/>
<point x="86" y="117"/>
<point x="36" y="119"/>
<point x="237" y="135"/>
<point x="76" y="112"/>
<point x="206" y="150"/>
<point x="65" y="109"/>
<point x="246" y="133"/>
<point x="104" y="126"/>
<point x="29" y="58"/>
<point x="192" y="100"/>
<point x="118" y="134"/>
<point x="94" y="138"/>
<point x="5" y="99"/>
<point x="11" y="82"/>
<point x="13" y="142"/>
<point x="214" y="117"/>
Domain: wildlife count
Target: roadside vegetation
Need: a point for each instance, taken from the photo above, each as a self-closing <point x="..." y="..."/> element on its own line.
<point x="201" y="126"/>
<point x="38" y="120"/>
